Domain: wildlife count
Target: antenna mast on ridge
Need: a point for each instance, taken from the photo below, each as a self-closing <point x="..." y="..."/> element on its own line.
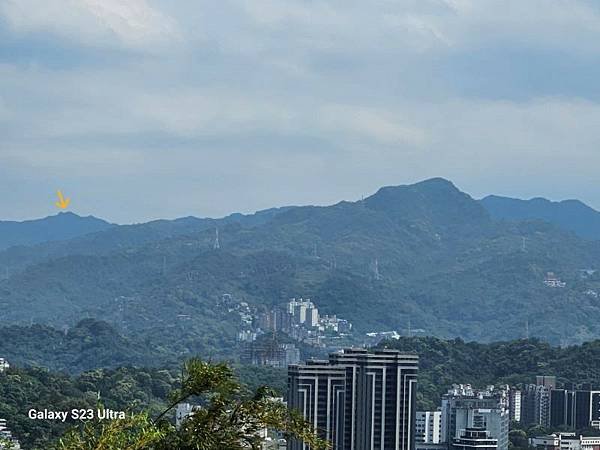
<point x="217" y="244"/>
<point x="376" y="270"/>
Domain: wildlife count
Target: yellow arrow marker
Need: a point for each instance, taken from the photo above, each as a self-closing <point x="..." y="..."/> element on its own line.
<point x="62" y="202"/>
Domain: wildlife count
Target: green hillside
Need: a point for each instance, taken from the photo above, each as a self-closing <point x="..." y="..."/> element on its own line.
<point x="443" y="263"/>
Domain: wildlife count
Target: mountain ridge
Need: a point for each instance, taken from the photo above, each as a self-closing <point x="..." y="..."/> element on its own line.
<point x="426" y="253"/>
<point x="62" y="226"/>
<point x="572" y="215"/>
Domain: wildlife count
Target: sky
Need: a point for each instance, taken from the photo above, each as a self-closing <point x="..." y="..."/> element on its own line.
<point x="144" y="109"/>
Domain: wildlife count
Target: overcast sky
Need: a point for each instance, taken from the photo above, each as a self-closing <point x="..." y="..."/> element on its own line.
<point x="139" y="109"/>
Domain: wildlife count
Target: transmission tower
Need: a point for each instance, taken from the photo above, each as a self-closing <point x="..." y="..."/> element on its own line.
<point x="376" y="270"/>
<point x="217" y="244"/>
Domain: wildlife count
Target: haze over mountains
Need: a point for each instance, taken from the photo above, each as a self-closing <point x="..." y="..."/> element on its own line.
<point x="571" y="215"/>
<point x="445" y="265"/>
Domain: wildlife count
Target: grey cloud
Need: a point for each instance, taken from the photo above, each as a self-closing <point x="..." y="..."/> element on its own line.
<point x="240" y="105"/>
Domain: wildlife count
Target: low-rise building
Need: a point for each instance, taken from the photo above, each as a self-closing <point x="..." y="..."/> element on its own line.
<point x="565" y="441"/>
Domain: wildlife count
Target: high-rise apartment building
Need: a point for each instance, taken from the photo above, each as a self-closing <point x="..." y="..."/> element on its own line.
<point x="304" y="312"/>
<point x="535" y="405"/>
<point x="514" y="404"/>
<point x="358" y="400"/>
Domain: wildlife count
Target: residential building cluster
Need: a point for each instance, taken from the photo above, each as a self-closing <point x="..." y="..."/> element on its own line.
<point x="545" y="404"/>
<point x="6" y="438"/>
<point x="298" y="319"/>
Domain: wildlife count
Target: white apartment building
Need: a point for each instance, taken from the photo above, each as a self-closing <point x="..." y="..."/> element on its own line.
<point x="428" y="427"/>
<point x="514" y="404"/>
<point x="304" y="312"/>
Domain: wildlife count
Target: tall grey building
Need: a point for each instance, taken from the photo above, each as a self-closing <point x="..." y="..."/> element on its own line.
<point x="357" y="400"/>
<point x="535" y="405"/>
<point x="466" y="408"/>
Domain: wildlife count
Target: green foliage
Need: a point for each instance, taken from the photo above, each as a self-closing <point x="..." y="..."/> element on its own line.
<point x="88" y="345"/>
<point x="443" y="363"/>
<point x="444" y="265"/>
<point x="225" y="419"/>
<point x="123" y="389"/>
<point x="136" y="432"/>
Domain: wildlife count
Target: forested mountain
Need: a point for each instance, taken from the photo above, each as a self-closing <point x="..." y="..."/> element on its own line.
<point x="426" y="253"/>
<point x="88" y="345"/>
<point x="117" y="238"/>
<point x="54" y="228"/>
<point x="123" y="389"/>
<point x="571" y="215"/>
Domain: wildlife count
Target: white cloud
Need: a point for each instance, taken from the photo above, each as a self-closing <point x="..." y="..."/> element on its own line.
<point x="300" y="101"/>
<point x="130" y="23"/>
<point x="374" y="126"/>
<point x="560" y="24"/>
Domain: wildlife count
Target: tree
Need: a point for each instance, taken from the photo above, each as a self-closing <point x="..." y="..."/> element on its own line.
<point x="137" y="432"/>
<point x="225" y="418"/>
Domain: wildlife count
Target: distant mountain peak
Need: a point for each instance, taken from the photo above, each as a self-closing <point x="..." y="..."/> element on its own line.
<point x="436" y="201"/>
<point x="58" y="227"/>
<point x="437" y="182"/>
<point x="571" y="215"/>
